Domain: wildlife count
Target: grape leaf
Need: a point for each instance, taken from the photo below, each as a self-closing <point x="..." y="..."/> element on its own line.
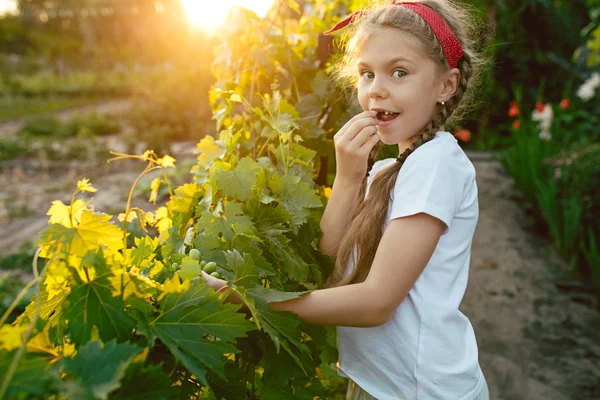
<point x="294" y="159"/>
<point x="260" y="187"/>
<point x="233" y="387"/>
<point x="245" y="272"/>
<point x="97" y="369"/>
<point x="145" y="383"/>
<point x="186" y="317"/>
<point x="68" y="216"/>
<point x="295" y="196"/>
<point x="145" y="250"/>
<point x="209" y="150"/>
<point x="183" y="204"/>
<point x="30" y="377"/>
<point x="291" y="261"/>
<point x="93" y="232"/>
<point x="95" y="303"/>
<point x="220" y="224"/>
<point x="247" y="245"/>
<point x="49" y="309"/>
<point x="267" y="219"/>
<point x="172" y="242"/>
<point x="282" y="327"/>
<point x="283" y="379"/>
<point x="238" y="181"/>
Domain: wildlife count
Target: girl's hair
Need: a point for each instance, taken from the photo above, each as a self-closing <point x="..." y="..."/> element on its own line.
<point x="367" y="221"/>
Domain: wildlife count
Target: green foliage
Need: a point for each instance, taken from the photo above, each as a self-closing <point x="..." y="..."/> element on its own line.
<point x="76" y="139"/>
<point x="20" y="260"/>
<point x="91" y="124"/>
<point x="11" y="148"/>
<point x="252" y="212"/>
<point x="555" y="161"/>
<point x="559" y="176"/>
<point x="172" y="107"/>
<point x="96" y="369"/>
<point x="532" y="44"/>
<point x="18" y="106"/>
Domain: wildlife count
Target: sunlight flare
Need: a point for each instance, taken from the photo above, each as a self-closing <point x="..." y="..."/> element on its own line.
<point x="209" y="15"/>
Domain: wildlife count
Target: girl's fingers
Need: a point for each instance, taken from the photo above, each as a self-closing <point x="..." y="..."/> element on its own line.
<point x="347" y="125"/>
<point x="212" y="281"/>
<point x="370" y="142"/>
<point x="357" y="127"/>
<point x="362" y="137"/>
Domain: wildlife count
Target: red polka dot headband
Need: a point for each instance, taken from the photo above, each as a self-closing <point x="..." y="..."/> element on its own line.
<point x="443" y="33"/>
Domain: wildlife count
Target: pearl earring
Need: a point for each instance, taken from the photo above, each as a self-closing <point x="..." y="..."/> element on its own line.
<point x="442" y="102"/>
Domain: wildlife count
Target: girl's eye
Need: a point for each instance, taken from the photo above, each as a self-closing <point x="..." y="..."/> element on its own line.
<point x="399" y="73"/>
<point x="367" y="74"/>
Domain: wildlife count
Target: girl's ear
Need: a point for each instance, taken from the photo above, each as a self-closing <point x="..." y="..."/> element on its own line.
<point x="449" y="84"/>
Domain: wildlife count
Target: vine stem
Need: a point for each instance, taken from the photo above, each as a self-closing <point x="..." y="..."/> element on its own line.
<point x="167" y="181"/>
<point x="17" y="357"/>
<point x="16" y="301"/>
<point x="254" y="70"/>
<point x="127" y="208"/>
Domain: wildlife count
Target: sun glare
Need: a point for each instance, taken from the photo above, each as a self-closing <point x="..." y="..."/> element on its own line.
<point x="8" y="7"/>
<point x="210" y="14"/>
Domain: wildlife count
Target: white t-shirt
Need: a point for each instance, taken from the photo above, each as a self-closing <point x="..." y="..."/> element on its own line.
<point x="427" y="349"/>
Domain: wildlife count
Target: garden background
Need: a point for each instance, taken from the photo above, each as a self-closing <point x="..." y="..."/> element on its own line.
<point x="248" y="110"/>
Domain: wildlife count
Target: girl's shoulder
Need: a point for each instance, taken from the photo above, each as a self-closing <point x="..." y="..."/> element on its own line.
<point x="441" y="152"/>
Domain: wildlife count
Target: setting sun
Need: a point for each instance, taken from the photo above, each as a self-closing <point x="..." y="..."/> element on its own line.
<point x="208" y="15"/>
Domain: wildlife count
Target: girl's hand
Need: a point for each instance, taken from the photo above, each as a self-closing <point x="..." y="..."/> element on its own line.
<point x="218" y="285"/>
<point x="353" y="143"/>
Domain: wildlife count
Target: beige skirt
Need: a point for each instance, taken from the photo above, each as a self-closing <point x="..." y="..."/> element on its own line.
<point x="355" y="392"/>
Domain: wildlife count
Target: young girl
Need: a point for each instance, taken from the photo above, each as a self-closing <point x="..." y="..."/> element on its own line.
<point x="401" y="229"/>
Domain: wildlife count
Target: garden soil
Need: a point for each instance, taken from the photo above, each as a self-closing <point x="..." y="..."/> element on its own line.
<point x="535" y="342"/>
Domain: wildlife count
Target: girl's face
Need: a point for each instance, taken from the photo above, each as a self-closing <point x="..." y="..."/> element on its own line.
<point x="398" y="79"/>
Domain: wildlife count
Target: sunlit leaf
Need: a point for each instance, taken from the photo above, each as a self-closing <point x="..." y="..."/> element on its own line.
<point x="238" y="181"/>
<point x="68" y="216"/>
<point x="94" y="304"/>
<point x="84" y="185"/>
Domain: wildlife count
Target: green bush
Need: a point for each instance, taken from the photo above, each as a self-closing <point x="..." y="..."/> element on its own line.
<point x="11" y="148"/>
<point x="556" y="165"/>
<point x="92" y="123"/>
<point x="173" y="108"/>
<point x="42" y="127"/>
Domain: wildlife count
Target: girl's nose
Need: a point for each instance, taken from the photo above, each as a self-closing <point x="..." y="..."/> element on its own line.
<point x="377" y="89"/>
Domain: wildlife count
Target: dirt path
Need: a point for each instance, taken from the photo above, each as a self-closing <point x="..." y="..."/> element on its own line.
<point x="108" y="107"/>
<point x="535" y="342"/>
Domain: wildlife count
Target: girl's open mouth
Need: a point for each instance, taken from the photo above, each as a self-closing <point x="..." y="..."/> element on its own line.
<point x="386" y="117"/>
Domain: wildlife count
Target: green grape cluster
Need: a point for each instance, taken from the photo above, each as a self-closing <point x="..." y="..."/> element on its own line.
<point x="192" y="264"/>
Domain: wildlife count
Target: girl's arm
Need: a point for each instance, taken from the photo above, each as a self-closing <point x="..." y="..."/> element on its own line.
<point x="352" y="143"/>
<point x="336" y="217"/>
<point x="404" y="251"/>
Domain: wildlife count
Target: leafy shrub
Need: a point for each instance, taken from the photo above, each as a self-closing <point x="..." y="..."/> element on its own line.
<point x="43" y="127"/>
<point x="173" y="108"/>
<point x="11" y="148"/>
<point x="93" y="124"/>
<point x="555" y="162"/>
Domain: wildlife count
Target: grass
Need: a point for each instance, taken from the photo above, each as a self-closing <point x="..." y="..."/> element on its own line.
<point x="17" y="107"/>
